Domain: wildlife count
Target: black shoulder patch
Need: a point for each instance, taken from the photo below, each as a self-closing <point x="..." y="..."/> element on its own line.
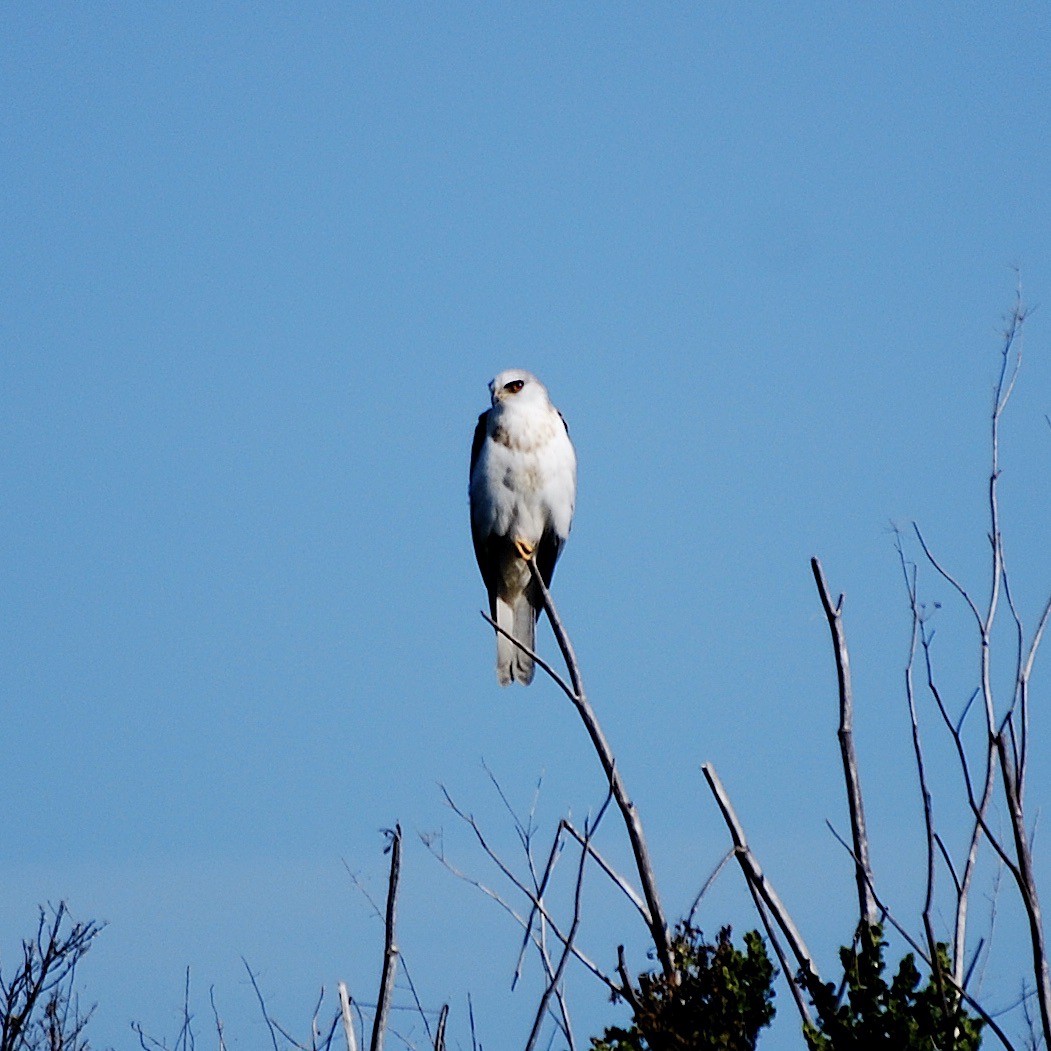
<point x="479" y="439"/>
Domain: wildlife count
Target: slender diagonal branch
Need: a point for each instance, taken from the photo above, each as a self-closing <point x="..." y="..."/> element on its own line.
<point x="658" y="925"/>
<point x="706" y="886"/>
<point x="755" y="879"/>
<point x="535" y="902"/>
<point x="540" y="886"/>
<point x="862" y="868"/>
<point x="625" y="887"/>
<point x="538" y="660"/>
<point x="262" y="1004"/>
<point x="779" y="952"/>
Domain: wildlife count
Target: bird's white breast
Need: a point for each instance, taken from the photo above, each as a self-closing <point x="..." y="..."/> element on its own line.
<point x="525" y="479"/>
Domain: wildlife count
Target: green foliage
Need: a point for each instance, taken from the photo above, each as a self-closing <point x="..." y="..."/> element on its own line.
<point x="901" y="1016"/>
<point x="724" y="998"/>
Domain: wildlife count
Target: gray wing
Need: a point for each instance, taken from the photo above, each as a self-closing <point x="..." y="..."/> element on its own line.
<point x="485" y="544"/>
<point x="551" y="543"/>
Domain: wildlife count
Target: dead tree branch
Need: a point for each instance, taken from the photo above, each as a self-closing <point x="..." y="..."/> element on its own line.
<point x="439" y="1036"/>
<point x="757" y="882"/>
<point x="706" y="886"/>
<point x="40" y="988"/>
<point x="862" y="870"/>
<point x="390" y="949"/>
<point x="540" y="887"/>
<point x="536" y="903"/>
<point x="615" y="877"/>
<point x="658" y="925"/>
<point x="348" y="1017"/>
<point x="1026" y="880"/>
<point x="556" y="976"/>
<point x="931" y="842"/>
<point x="986" y="1017"/>
<point x="262" y="1005"/>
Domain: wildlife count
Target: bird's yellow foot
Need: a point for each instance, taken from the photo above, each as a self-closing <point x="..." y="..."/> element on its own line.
<point x="524" y="548"/>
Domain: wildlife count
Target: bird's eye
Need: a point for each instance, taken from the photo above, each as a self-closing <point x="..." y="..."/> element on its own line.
<point x="514" y="386"/>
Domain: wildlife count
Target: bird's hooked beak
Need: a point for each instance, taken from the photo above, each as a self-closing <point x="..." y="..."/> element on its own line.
<point x="501" y="392"/>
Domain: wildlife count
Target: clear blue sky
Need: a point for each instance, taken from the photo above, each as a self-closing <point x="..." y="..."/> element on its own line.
<point x="258" y="264"/>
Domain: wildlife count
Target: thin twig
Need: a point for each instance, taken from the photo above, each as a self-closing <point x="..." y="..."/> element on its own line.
<point x="540" y="887"/>
<point x="917" y="748"/>
<point x="540" y="662"/>
<point x="218" y="1020"/>
<point x="470" y="1016"/>
<point x="262" y="1004"/>
<point x="525" y="891"/>
<point x="622" y="884"/>
<point x="782" y="958"/>
<point x="946" y="575"/>
<point x="556" y="978"/>
<point x="706" y="886"/>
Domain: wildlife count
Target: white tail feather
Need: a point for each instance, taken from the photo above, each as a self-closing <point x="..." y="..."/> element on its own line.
<point x="512" y="664"/>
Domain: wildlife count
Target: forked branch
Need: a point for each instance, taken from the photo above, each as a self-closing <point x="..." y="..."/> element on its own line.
<point x="658" y="925"/>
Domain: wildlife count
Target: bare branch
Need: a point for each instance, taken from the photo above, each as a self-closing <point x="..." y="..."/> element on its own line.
<point x="1023" y="690"/>
<point x="439" y="1036"/>
<point x="390" y="949"/>
<point x="863" y="870"/>
<point x="918" y="949"/>
<point x="978" y="807"/>
<point x="43" y="982"/>
<point x="348" y="1017"/>
<point x="625" y="887"/>
<point x="556" y="978"/>
<point x="262" y="1005"/>
<point x="540" y="887"/>
<point x="219" y="1021"/>
<point x="706" y="886"/>
<point x="925" y="794"/>
<point x="658" y="925"/>
<point x="1026" y="880"/>
<point x="470" y="1016"/>
<point x="754" y="878"/>
<point x="945" y="575"/>
<point x="629" y="988"/>
<point x="540" y="662"/>
<point x="782" y="957"/>
<point x="522" y="888"/>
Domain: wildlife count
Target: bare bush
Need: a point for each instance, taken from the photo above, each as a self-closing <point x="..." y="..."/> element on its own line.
<point x="39" y="1006"/>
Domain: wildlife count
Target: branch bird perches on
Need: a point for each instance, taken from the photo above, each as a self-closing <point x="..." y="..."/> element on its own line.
<point x="574" y="690"/>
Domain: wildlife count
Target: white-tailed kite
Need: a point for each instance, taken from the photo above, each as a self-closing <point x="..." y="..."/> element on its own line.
<point x="523" y="488"/>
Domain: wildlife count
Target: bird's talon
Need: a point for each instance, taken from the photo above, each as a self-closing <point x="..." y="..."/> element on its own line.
<point x="524" y="548"/>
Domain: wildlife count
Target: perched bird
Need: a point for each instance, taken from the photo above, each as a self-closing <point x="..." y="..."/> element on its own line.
<point x="523" y="487"/>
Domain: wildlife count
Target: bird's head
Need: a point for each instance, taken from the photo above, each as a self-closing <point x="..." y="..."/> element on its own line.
<point x="514" y="386"/>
